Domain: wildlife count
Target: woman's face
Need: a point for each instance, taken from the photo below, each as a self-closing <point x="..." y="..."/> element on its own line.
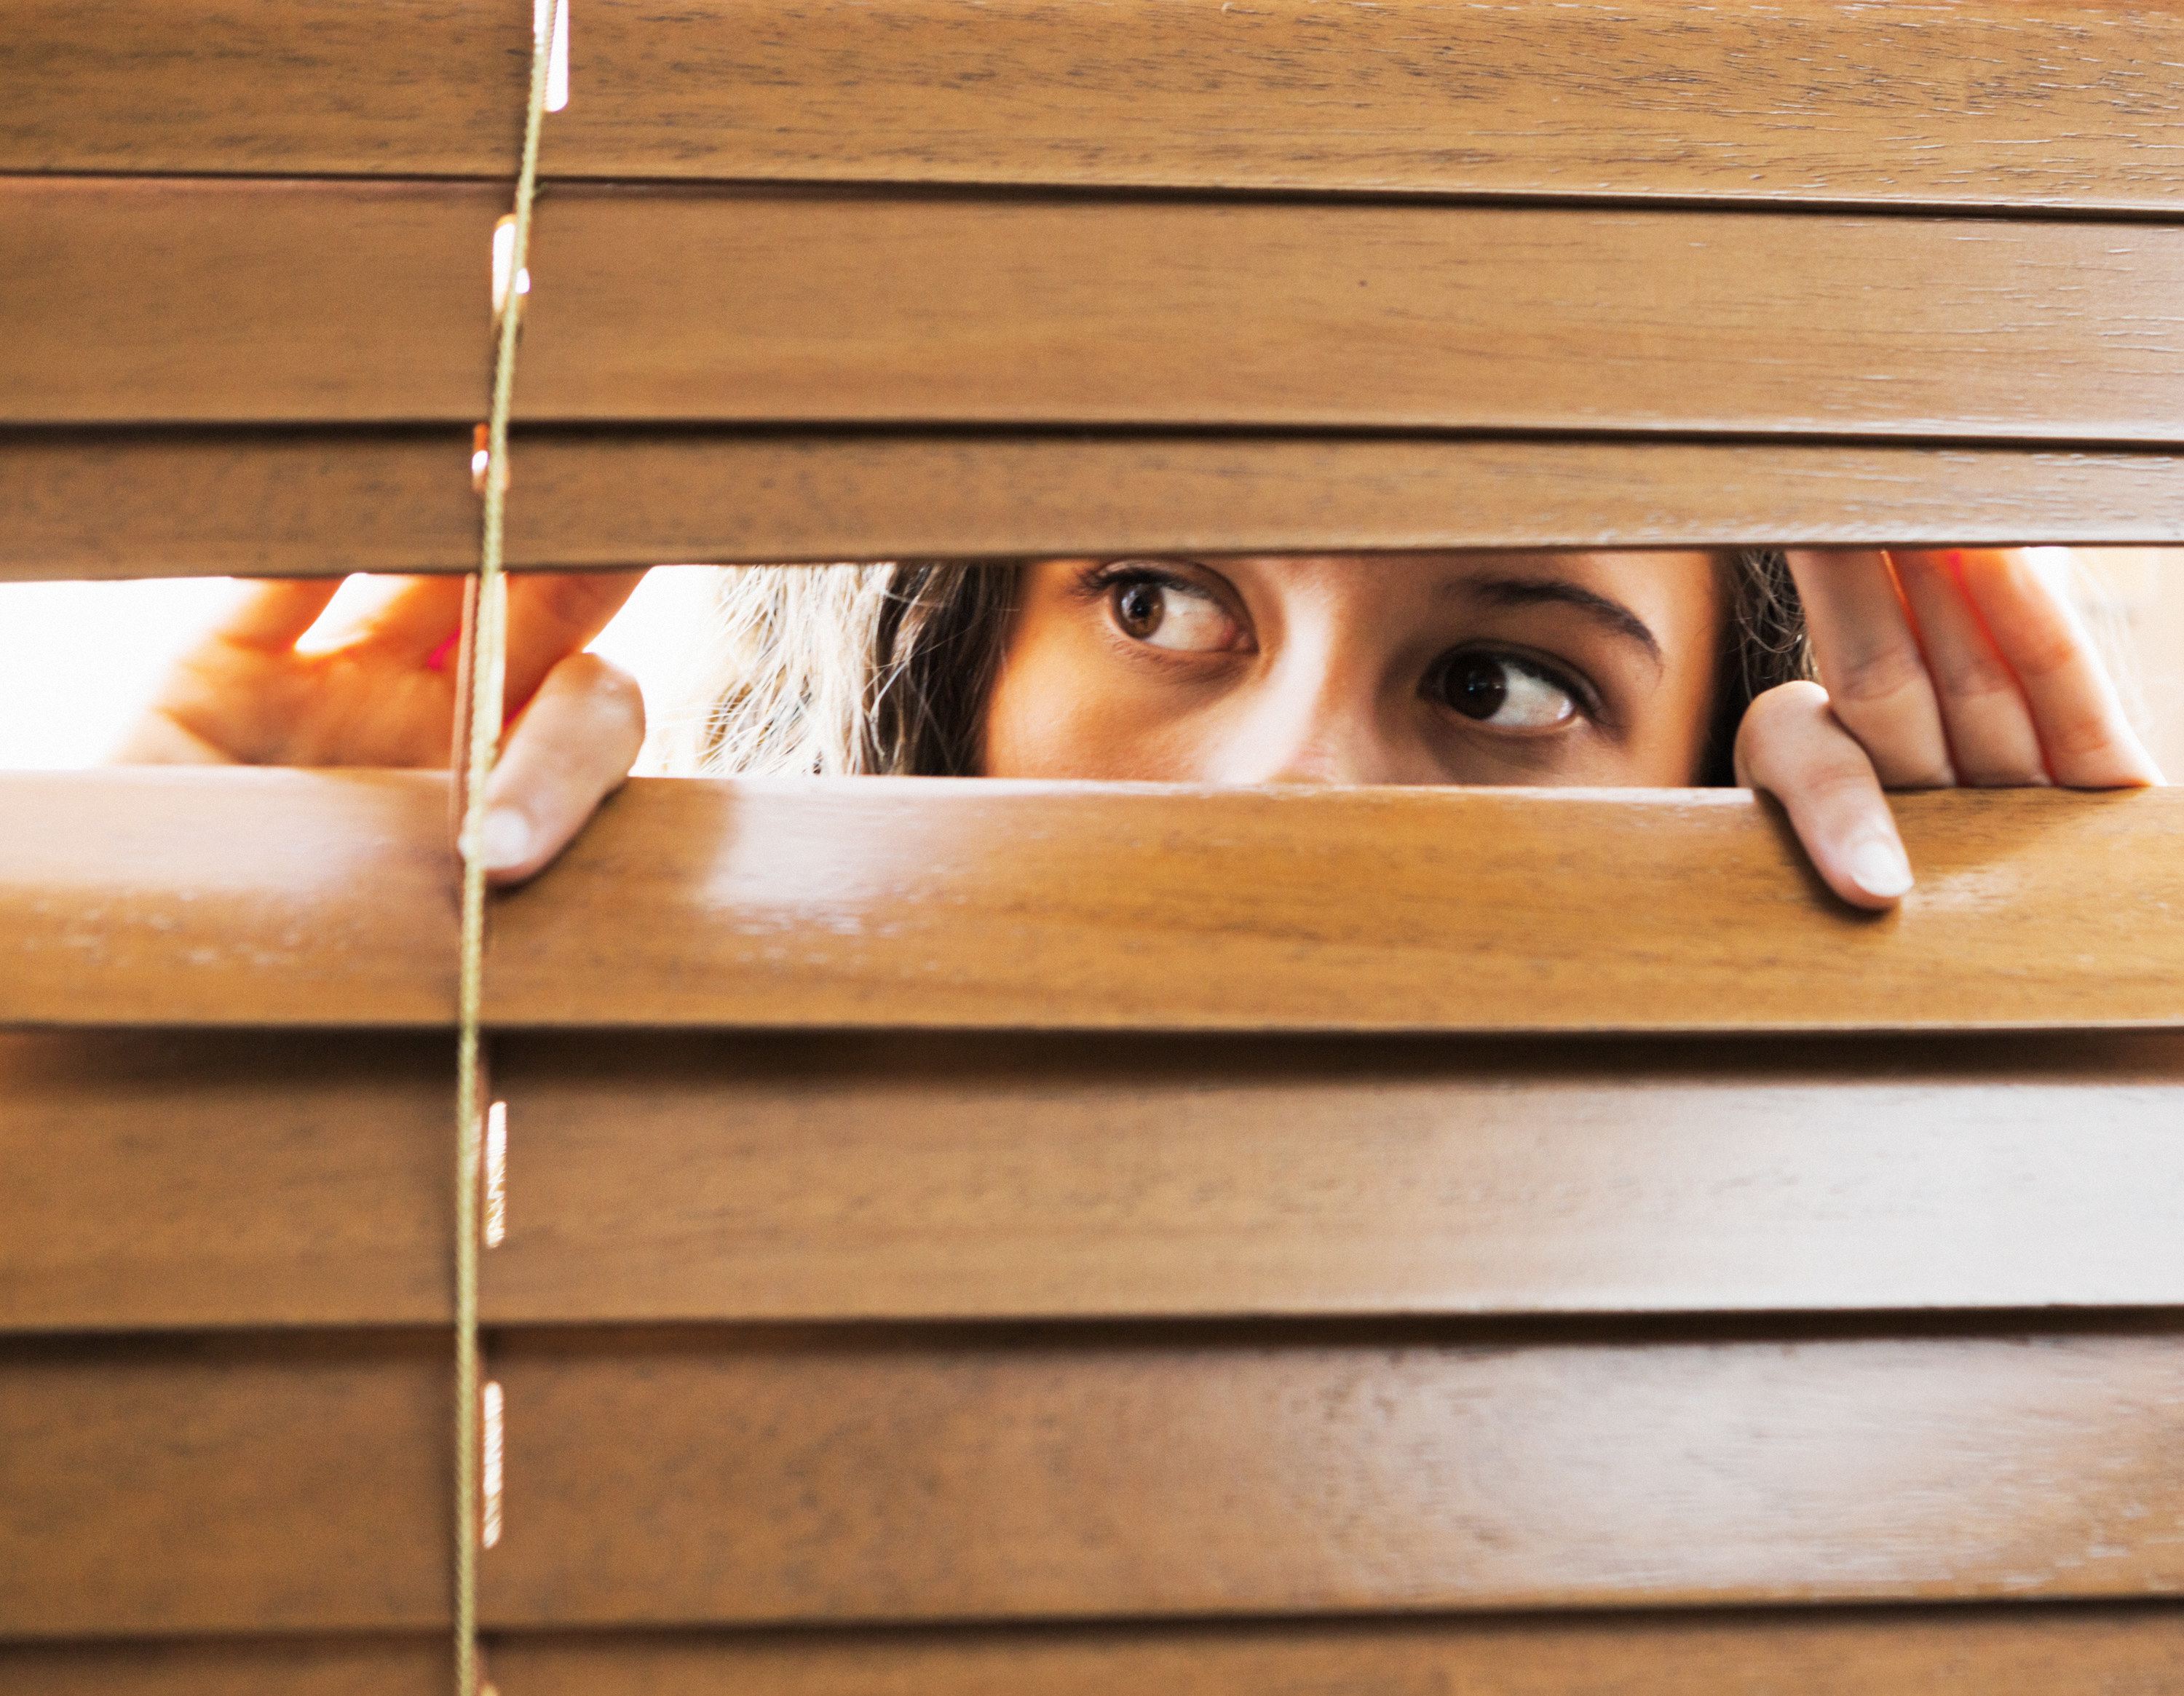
<point x="1444" y="668"/>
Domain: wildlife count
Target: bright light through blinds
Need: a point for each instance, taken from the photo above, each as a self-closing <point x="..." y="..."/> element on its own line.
<point x="79" y="661"/>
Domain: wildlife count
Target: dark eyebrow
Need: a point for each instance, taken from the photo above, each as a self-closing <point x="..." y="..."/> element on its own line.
<point x="1532" y="591"/>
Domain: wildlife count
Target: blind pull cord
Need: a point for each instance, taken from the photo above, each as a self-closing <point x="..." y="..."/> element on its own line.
<point x="478" y="1445"/>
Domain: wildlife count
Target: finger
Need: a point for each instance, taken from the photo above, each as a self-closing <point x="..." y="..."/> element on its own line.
<point x="1868" y="658"/>
<point x="417" y="622"/>
<point x="1991" y="739"/>
<point x="552" y="615"/>
<point x="2088" y="741"/>
<point x="274" y="615"/>
<point x="1791" y="745"/>
<point x="572" y="748"/>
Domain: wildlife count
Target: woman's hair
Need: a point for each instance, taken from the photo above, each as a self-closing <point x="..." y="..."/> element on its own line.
<point x="841" y="671"/>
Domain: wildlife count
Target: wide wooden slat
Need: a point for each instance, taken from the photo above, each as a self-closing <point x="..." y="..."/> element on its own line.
<point x="971" y="903"/>
<point x="158" y="1181"/>
<point x="702" y="1480"/>
<point x="264" y="1666"/>
<point x="1960" y="1652"/>
<point x="310" y="504"/>
<point x="687" y="1478"/>
<point x="168" y="896"/>
<point x="2082" y="1650"/>
<point x="195" y="1486"/>
<point x="287" y="898"/>
<point x="163" y="1180"/>
<point x="810" y="1178"/>
<point x="216" y="302"/>
<point x="1837" y="103"/>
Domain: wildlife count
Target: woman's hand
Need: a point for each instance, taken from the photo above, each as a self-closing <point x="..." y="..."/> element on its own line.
<point x="1937" y="668"/>
<point x="386" y="697"/>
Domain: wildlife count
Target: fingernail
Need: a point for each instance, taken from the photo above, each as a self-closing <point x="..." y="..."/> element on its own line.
<point x="504" y="839"/>
<point x="1880" y="869"/>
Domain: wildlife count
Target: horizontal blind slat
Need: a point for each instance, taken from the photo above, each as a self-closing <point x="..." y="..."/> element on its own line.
<point x="687" y="1481"/>
<point x="165" y="1180"/>
<point x="100" y="504"/>
<point x="1805" y="101"/>
<point x="2068" y="1650"/>
<point x="1964" y="1651"/>
<point x="696" y="1477"/>
<point x="192" y="1486"/>
<point x="265" y="897"/>
<point x="276" y="301"/>
<point x="900" y="1177"/>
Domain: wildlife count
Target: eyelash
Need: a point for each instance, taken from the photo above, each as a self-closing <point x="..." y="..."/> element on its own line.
<point x="1099" y="582"/>
<point x="1576" y="687"/>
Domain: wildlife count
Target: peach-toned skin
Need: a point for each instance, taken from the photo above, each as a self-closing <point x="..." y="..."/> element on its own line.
<point x="1936" y="668"/>
<point x="1324" y="671"/>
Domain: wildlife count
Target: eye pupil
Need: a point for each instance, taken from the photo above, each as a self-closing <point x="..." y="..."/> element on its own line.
<point x="1138" y="607"/>
<point x="1477" y="685"/>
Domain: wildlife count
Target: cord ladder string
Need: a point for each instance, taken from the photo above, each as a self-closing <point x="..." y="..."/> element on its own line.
<point x="485" y="678"/>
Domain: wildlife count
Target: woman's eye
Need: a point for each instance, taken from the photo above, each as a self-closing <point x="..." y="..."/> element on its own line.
<point x="1495" y="689"/>
<point x="1168" y="615"/>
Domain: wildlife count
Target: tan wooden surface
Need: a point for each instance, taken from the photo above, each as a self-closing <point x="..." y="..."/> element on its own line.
<point x="207" y="1485"/>
<point x="199" y="1178"/>
<point x="887" y="902"/>
<point x="272" y="301"/>
<point x="887" y="1177"/>
<point x="1804" y="102"/>
<point x="176" y="896"/>
<point x="1065" y="1475"/>
<point x="307" y="503"/>
<point x="266" y="1666"/>
<point x="286" y="899"/>
<point x="683" y="1478"/>
<point x="1961" y="1652"/>
<point x="158" y="1181"/>
<point x="2084" y="1651"/>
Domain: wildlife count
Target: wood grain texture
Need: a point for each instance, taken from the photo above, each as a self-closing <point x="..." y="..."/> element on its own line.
<point x="175" y="896"/>
<point x="210" y="1487"/>
<point x="887" y="1178"/>
<point x="938" y="902"/>
<point x="1924" y="104"/>
<point x="2056" y="1650"/>
<point x="165" y="1180"/>
<point x="702" y="1479"/>
<point x="2079" y="1651"/>
<point x="355" y="302"/>
<point x="263" y="1666"/>
<point x="158" y="1181"/>
<point x="311" y="502"/>
<point x="284" y="898"/>
<point x="193" y="1486"/>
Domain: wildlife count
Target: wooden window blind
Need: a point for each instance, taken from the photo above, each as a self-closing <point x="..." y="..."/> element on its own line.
<point x="973" y="1236"/>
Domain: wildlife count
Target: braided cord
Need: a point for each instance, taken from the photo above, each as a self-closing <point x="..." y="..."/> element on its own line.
<point x="488" y="679"/>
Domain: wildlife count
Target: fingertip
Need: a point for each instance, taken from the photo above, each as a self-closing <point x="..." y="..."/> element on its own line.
<point x="1880" y="870"/>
